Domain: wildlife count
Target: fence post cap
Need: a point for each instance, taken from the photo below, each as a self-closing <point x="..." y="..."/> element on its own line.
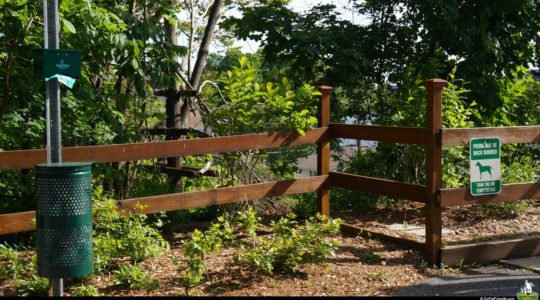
<point x="435" y="82"/>
<point x="325" y="88"/>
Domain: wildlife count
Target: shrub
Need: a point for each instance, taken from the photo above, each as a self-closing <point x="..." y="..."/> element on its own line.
<point x="118" y="236"/>
<point x="11" y="266"/>
<point x="34" y="286"/>
<point x="14" y="265"/>
<point x="84" y="291"/>
<point x="134" y="277"/>
<point x="292" y="246"/>
<point x="517" y="171"/>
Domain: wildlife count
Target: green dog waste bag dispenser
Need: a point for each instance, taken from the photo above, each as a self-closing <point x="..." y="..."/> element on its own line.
<point x="64" y="219"/>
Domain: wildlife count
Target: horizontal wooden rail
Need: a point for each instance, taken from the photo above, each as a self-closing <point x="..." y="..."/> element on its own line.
<point x="490" y="251"/>
<point x="26" y="159"/>
<point x="405" y="135"/>
<point x="19" y="222"/>
<point x="378" y="235"/>
<point x="178" y="201"/>
<point x="378" y="186"/>
<point x="508" y="135"/>
<point x="509" y="192"/>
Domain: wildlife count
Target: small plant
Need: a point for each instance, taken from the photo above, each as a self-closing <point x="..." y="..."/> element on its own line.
<point x="118" y="236"/>
<point x="447" y="269"/>
<point x="249" y="221"/>
<point x="11" y="265"/>
<point x="84" y="291"/>
<point x="372" y="257"/>
<point x="34" y="286"/>
<point x="379" y="276"/>
<point x="424" y="265"/>
<point x="405" y="226"/>
<point x="292" y="246"/>
<point x="134" y="277"/>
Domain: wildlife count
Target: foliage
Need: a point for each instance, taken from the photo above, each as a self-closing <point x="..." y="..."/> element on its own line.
<point x="33" y="286"/>
<point x="134" y="277"/>
<point x="304" y="205"/>
<point x="289" y="248"/>
<point x="484" y="40"/>
<point x="84" y="291"/>
<point x="379" y="276"/>
<point x="372" y="257"/>
<point x="197" y="249"/>
<point x="11" y="265"/>
<point x="246" y="104"/>
<point x="118" y="236"/>
<point x="292" y="246"/>
<point x="21" y="268"/>
<point x="518" y="171"/>
<point x="253" y="106"/>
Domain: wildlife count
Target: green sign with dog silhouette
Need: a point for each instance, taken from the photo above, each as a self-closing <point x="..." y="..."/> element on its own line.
<point x="485" y="166"/>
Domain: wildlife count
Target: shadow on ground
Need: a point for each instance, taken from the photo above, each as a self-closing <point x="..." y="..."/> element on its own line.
<point x="487" y="281"/>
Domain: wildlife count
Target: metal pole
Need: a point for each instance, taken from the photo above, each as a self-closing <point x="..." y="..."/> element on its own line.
<point x="53" y="85"/>
<point x="47" y="99"/>
<point x="52" y="103"/>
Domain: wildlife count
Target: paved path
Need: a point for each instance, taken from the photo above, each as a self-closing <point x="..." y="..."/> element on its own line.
<point x="493" y="280"/>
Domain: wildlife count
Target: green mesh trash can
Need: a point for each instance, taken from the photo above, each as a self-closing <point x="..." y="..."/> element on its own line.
<point x="64" y="219"/>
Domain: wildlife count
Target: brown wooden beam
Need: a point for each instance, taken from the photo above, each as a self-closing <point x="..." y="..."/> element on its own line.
<point x="507" y="135"/>
<point x="174" y="132"/>
<point x="19" y="222"/>
<point x="433" y="210"/>
<point x="490" y="251"/>
<point x="378" y="235"/>
<point x="26" y="159"/>
<point x="509" y="192"/>
<point x="323" y="150"/>
<point x="178" y="201"/>
<point x="404" y="135"/>
<point x="377" y="186"/>
<point x="188" y="172"/>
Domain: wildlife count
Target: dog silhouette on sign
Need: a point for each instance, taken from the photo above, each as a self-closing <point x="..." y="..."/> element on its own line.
<point x="483" y="169"/>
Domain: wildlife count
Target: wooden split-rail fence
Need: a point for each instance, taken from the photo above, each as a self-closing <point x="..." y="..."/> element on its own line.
<point x="434" y="197"/>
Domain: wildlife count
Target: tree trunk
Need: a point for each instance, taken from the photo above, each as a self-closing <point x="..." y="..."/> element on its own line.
<point x="213" y="18"/>
<point x="173" y="108"/>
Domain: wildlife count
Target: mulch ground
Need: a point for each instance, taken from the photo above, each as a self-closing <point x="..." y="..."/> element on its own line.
<point x="361" y="267"/>
<point x="466" y="224"/>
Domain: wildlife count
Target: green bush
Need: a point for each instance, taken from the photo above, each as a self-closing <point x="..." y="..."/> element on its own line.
<point x="33" y="286"/>
<point x="11" y="266"/>
<point x="84" y="291"/>
<point x="118" y="236"/>
<point x="14" y="265"/>
<point x="134" y="277"/>
<point x="292" y="246"/>
<point x="518" y="171"/>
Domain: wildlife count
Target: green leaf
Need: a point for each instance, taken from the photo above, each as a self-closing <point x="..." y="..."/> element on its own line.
<point x="68" y="26"/>
<point x="134" y="63"/>
<point x="243" y="61"/>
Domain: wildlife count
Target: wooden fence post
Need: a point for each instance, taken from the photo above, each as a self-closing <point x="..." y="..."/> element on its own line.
<point x="323" y="150"/>
<point x="433" y="170"/>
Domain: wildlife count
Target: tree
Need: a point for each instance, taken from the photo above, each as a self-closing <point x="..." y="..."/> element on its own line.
<point x="484" y="39"/>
